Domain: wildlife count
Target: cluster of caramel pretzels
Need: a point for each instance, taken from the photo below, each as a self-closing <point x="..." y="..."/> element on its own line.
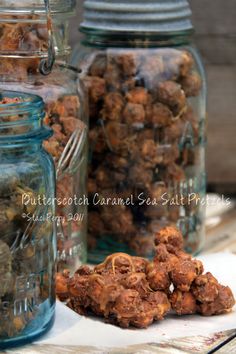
<point x="132" y="291"/>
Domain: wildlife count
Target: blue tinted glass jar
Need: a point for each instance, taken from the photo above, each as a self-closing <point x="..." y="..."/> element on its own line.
<point x="33" y="58"/>
<point x="27" y="208"/>
<point x="147" y="103"/>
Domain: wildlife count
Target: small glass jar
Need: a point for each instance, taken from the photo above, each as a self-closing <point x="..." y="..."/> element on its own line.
<point x="27" y="221"/>
<point x="33" y="53"/>
<point x="147" y="103"/>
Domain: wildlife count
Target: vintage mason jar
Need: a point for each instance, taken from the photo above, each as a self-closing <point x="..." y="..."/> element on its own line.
<point x="33" y="58"/>
<point x="27" y="219"/>
<point x="147" y="103"/>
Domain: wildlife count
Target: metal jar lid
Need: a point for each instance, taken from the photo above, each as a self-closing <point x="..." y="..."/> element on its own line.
<point x="155" y="16"/>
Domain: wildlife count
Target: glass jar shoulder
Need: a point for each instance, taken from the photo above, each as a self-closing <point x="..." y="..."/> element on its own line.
<point x="61" y="81"/>
<point x="144" y="75"/>
<point x="84" y="55"/>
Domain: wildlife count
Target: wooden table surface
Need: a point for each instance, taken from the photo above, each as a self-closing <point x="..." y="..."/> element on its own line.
<point x="221" y="236"/>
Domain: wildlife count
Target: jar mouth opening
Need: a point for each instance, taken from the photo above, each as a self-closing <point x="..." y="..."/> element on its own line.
<point x="19" y="102"/>
<point x="21" y="117"/>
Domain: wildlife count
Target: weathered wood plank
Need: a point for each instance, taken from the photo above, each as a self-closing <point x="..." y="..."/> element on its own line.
<point x="217" y="50"/>
<point x="222" y="237"/>
<point x="214" y="16"/>
<point x="229" y="348"/>
<point x="221" y="162"/>
<point x="188" y="345"/>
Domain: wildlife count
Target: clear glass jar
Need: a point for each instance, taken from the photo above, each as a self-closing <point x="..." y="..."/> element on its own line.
<point x="33" y="44"/>
<point x="147" y="103"/>
<point x="27" y="218"/>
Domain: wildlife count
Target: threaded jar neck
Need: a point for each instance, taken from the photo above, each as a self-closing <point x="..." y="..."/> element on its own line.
<point x="21" y="118"/>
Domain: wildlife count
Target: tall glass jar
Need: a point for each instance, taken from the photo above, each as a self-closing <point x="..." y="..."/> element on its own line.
<point x="147" y="103"/>
<point x="33" y="55"/>
<point x="27" y="218"/>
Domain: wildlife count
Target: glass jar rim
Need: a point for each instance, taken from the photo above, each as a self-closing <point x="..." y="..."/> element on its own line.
<point x="37" y="7"/>
<point x="27" y="102"/>
<point x="30" y="110"/>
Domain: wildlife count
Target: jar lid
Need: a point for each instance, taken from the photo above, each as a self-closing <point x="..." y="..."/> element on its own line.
<point x="36" y="6"/>
<point x="154" y="16"/>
